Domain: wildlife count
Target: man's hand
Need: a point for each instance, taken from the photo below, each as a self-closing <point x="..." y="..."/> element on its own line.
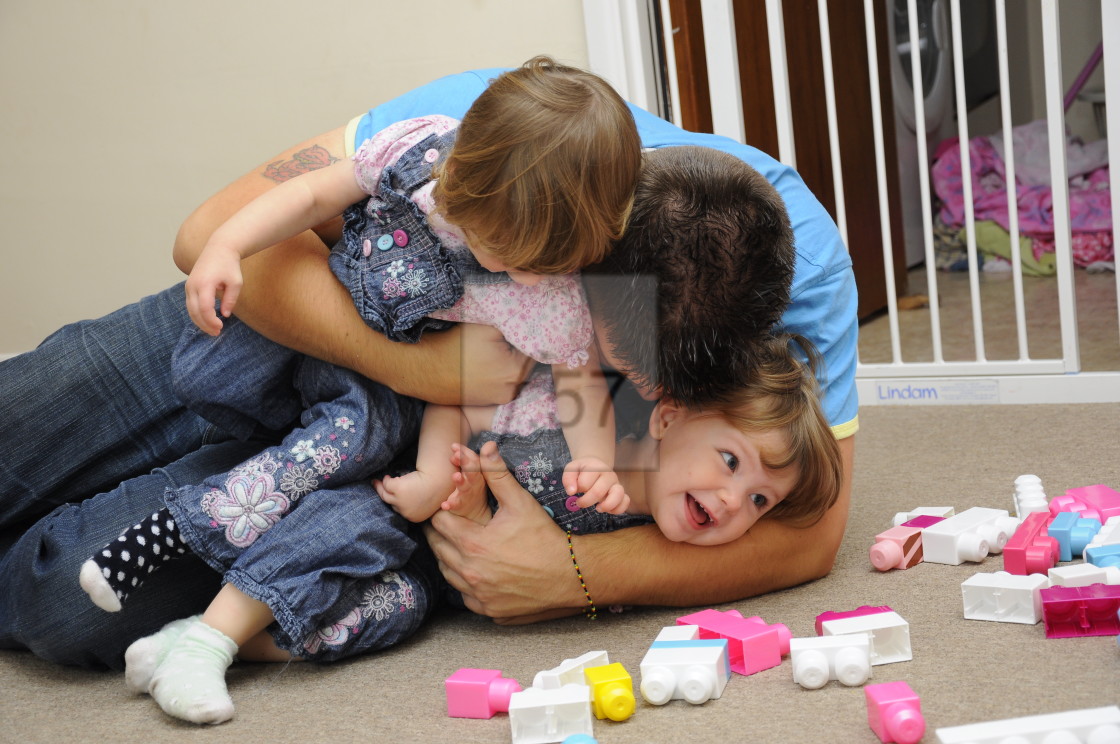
<point x="492" y="370"/>
<point x="515" y="568"/>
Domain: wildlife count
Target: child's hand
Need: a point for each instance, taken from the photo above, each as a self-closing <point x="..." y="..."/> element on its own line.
<point x="216" y="273"/>
<point x="469" y="497"/>
<point x="598" y="483"/>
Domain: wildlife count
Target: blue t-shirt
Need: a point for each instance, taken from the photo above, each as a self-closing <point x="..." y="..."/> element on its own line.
<point x="823" y="295"/>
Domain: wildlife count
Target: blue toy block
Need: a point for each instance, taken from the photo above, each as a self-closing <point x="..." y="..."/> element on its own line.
<point x="1103" y="555"/>
<point x="1073" y="532"/>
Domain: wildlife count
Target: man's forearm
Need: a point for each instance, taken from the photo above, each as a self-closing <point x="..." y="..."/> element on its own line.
<point x="771" y="556"/>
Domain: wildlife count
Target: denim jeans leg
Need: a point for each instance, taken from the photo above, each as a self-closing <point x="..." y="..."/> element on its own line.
<point x="92" y="406"/>
<point x="45" y="610"/>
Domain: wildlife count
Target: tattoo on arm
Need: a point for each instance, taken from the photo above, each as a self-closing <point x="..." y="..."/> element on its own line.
<point x="309" y="159"/>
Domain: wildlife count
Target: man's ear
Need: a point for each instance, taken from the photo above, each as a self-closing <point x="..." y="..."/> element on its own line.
<point x="664" y="413"/>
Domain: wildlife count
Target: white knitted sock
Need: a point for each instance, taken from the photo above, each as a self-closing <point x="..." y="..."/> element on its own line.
<point x="144" y="655"/>
<point x="190" y="682"/>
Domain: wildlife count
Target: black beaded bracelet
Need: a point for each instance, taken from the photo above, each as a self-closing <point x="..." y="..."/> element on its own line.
<point x="590" y="610"/>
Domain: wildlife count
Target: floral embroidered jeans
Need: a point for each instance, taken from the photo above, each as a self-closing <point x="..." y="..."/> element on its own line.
<point x="298" y="525"/>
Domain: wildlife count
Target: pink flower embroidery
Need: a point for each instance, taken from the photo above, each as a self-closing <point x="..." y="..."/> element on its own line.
<point x="334" y="635"/>
<point x="248" y="507"/>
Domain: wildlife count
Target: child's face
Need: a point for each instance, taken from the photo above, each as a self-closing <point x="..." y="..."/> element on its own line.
<point x="710" y="486"/>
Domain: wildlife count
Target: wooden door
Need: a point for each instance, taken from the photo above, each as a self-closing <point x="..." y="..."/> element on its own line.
<point x="811" y="141"/>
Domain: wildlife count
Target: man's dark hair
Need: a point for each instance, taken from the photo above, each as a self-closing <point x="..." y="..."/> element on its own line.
<point x="702" y="273"/>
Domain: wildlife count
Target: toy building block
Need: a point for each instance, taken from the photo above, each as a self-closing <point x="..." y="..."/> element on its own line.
<point x="539" y="716"/>
<point x="922" y="521"/>
<point x="888" y="632"/>
<point x="1087" y="725"/>
<point x="1030" y="549"/>
<point x="1104" y="556"/>
<point x="968" y="536"/>
<point x="923" y="511"/>
<point x="1079" y="611"/>
<point x="1095" y="502"/>
<point x="829" y="615"/>
<point x="1003" y="597"/>
<point x="818" y="659"/>
<point x="894" y="713"/>
<point x="684" y="668"/>
<point x="612" y="691"/>
<point x="1083" y="574"/>
<point x="478" y="693"/>
<point x="1029" y="496"/>
<point x="752" y="644"/>
<point x="569" y="671"/>
<point x="898" y="547"/>
<point x="581" y="739"/>
<point x="1108" y="534"/>
<point x="1073" y="533"/>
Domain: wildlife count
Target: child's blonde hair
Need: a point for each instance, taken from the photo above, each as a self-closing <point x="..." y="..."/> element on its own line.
<point x="543" y="169"/>
<point x="782" y="394"/>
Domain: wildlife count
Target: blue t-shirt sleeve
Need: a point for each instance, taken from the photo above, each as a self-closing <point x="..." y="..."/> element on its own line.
<point x="823" y="307"/>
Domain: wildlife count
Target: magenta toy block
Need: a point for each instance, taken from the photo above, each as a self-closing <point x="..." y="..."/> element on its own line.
<point x="1073" y="532"/>
<point x="922" y="521"/>
<point x="1077" y="611"/>
<point x="894" y="713"/>
<point x="1030" y="549"/>
<point x="478" y="693"/>
<point x="827" y="615"/>
<point x="1093" y="502"/>
<point x="752" y="645"/>
<point x="898" y="547"/>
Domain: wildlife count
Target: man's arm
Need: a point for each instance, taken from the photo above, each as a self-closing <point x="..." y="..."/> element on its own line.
<point x="291" y="296"/>
<point x="517" y="569"/>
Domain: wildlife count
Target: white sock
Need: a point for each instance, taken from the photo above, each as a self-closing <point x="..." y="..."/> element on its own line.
<point x="190" y="682"/>
<point x="98" y="588"/>
<point x="144" y="655"/>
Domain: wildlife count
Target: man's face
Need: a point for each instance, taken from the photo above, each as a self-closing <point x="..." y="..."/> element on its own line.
<point x="610" y="359"/>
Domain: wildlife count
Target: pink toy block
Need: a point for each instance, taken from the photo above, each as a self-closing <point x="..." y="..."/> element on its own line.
<point x="894" y="713"/>
<point x="898" y="547"/>
<point x="478" y="693"/>
<point x="922" y="521"/>
<point x="827" y="615"/>
<point x="1092" y="502"/>
<point x="1030" y="549"/>
<point x="752" y="645"/>
<point x="1077" y="611"/>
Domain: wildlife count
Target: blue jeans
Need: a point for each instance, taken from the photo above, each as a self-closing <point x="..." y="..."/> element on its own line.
<point x="93" y="437"/>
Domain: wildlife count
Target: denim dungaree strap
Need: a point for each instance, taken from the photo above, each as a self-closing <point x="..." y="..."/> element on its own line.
<point x="396" y="269"/>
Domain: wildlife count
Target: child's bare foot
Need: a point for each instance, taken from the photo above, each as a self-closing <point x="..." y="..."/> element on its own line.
<point x="469" y="497"/>
<point x="415" y="496"/>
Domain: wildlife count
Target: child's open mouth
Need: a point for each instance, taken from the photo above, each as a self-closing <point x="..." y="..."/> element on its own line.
<point x="699" y="515"/>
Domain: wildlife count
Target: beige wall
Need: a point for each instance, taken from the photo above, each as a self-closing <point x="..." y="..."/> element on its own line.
<point x="120" y="116"/>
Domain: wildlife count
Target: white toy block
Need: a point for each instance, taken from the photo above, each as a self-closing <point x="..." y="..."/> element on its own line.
<point x="681" y="666"/>
<point x="1108" y="534"/>
<point x="1083" y="574"/>
<point x="1029" y="496"/>
<point x="569" y="671"/>
<point x="817" y="659"/>
<point x="888" y="633"/>
<point x="1088" y="726"/>
<point x="922" y="511"/>
<point x="538" y="716"/>
<point x="968" y="536"/>
<point x="1004" y="597"/>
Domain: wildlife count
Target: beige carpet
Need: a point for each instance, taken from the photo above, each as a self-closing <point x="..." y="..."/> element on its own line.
<point x="965" y="671"/>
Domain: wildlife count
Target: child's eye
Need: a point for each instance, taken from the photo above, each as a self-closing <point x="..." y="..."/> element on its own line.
<point x="731" y="460"/>
<point x="759" y="500"/>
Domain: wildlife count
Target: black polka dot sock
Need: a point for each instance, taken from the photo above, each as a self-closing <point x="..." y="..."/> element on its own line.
<point x="122" y="565"/>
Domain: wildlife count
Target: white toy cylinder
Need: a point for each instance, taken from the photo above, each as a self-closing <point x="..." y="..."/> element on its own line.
<point x="852" y="666"/>
<point x="657" y="685"/>
<point x="697" y="684"/>
<point x="810" y="669"/>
